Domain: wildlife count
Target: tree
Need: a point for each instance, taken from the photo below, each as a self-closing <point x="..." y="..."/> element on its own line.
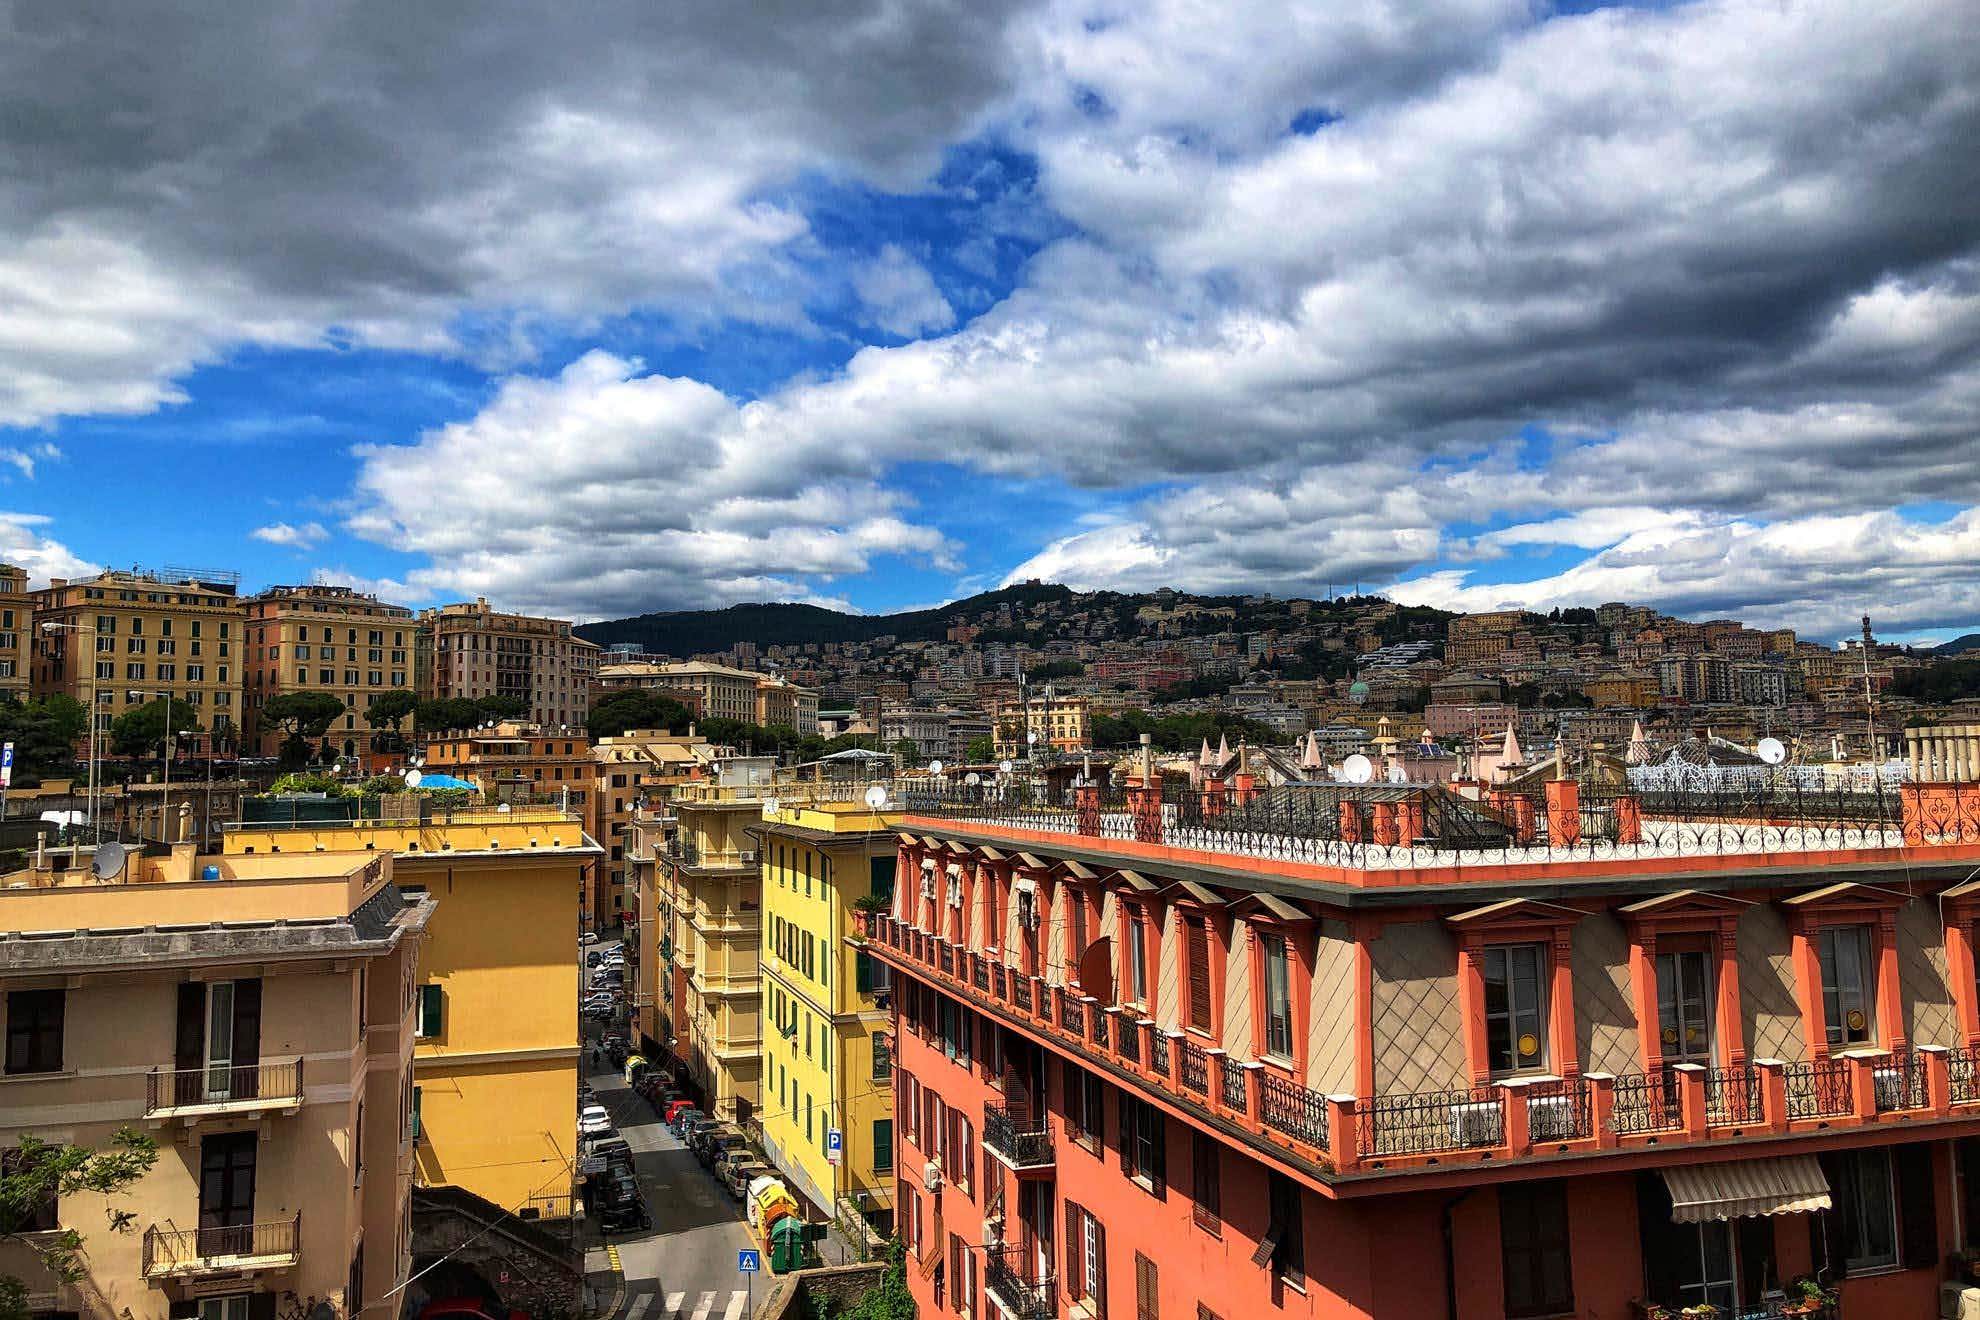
<point x="499" y="707"/>
<point x="44" y="732"/>
<point x="982" y="748"/>
<point x="37" y="1173"/>
<point x="387" y="714"/>
<point x="889" y="1299"/>
<point x="306" y="715"/>
<point x="140" y="730"/>
<point x="635" y="708"/>
<point x="440" y="714"/>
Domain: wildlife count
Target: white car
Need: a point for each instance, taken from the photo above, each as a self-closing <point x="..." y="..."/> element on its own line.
<point x="593" y="1121"/>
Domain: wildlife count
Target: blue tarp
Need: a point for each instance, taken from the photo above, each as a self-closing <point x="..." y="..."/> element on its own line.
<point x="442" y="781"/>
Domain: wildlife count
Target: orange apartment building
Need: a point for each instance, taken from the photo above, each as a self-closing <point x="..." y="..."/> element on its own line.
<point x="317" y="638"/>
<point x="1318" y="1050"/>
<point x="470" y="650"/>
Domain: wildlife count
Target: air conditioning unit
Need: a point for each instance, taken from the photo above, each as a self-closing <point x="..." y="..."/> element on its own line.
<point x="931" y="1177"/>
<point x="1476" y="1123"/>
<point x="749" y="857"/>
<point x="1550" y="1117"/>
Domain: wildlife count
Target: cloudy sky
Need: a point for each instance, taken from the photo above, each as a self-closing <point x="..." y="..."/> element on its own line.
<point x="879" y="302"/>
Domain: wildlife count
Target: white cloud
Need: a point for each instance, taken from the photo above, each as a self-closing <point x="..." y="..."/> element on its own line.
<point x="304" y="537"/>
<point x="898" y="295"/>
<point x="23" y="543"/>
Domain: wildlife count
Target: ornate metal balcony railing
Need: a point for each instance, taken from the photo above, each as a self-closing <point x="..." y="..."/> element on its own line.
<point x="1072" y="1015"/>
<point x="1100" y="1024"/>
<point x="1024" y="1145"/>
<point x="1295" y="1110"/>
<point x="1818" y="1089"/>
<point x="1429" y="1122"/>
<point x="1017" y="1285"/>
<point x="1235" y="1083"/>
<point x="1127" y="1039"/>
<point x="1899" y="1082"/>
<point x="185" y="1088"/>
<point x="1960" y="1075"/>
<point x="1195" y="1067"/>
<point x="193" y="1250"/>
<point x="1732" y="1096"/>
<point x="1558" y="1111"/>
<point x="1158" y="1053"/>
<point x="1647" y="1102"/>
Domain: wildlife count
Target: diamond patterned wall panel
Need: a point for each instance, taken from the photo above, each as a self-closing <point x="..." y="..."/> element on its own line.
<point x="1168" y="984"/>
<point x="1237" y="994"/>
<point x="1330" y="1034"/>
<point x="1929" y="1017"/>
<point x="1418" y="1044"/>
<point x="1606" y="1037"/>
<point x="1770" y="1017"/>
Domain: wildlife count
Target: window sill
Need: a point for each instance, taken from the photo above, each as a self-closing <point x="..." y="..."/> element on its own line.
<point x="51" y="1075"/>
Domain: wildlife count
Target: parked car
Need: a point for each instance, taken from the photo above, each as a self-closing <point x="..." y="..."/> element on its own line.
<point x="695" y="1124"/>
<point x="741" y="1173"/>
<point x="675" y="1109"/>
<point x="617" y="1203"/>
<point x="683" y="1118"/>
<point x="718" y="1142"/>
<point x="615" y="1150"/>
<point x="593" y="1120"/>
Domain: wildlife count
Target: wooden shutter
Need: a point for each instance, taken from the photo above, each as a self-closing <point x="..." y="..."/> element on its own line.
<point x="1126" y="1130"/>
<point x="1828" y="1230"/>
<point x="1918" y="1221"/>
<point x="1099" y="1271"/>
<point x="247" y="1022"/>
<point x="190" y="1052"/>
<point x="1158" y="1149"/>
<point x="1075" y="1127"/>
<point x="431" y="1014"/>
<point x="1146" y="1304"/>
<point x="1209" y="1212"/>
<point x="1074" y="1268"/>
<point x="1197" y="931"/>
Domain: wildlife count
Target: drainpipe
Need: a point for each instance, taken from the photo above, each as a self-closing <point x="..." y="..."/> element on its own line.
<point x="1450" y="1252"/>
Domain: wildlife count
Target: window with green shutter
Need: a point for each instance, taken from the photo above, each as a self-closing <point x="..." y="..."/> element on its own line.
<point x="431" y="1000"/>
<point x="883" y="1145"/>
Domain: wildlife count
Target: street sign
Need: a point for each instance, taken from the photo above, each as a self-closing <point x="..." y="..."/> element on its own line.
<point x="835" y="1146"/>
<point x="7" y="766"/>
<point x="749" y="1262"/>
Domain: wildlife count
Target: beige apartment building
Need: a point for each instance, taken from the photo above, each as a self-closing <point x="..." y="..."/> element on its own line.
<point x="121" y="636"/>
<point x="324" y="639"/>
<point x="724" y="693"/>
<point x="469" y="650"/>
<point x="639" y="766"/>
<point x="1054" y="723"/>
<point x="780" y="701"/>
<point x="253" y="1015"/>
<point x="16" y="632"/>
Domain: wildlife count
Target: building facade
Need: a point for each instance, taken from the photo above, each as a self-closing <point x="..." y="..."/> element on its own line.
<point x="16" y="633"/>
<point x="494" y="1027"/>
<point x="515" y="762"/>
<point x="1213" y="1051"/>
<point x="828" y="1053"/>
<point x="265" y="1044"/>
<point x="1046" y="722"/>
<point x="636" y="768"/>
<point x="469" y="650"/>
<point x="119" y="637"/>
<point x="316" y="638"/>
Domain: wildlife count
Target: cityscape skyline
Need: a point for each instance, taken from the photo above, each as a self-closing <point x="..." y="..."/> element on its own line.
<point x="1132" y="299"/>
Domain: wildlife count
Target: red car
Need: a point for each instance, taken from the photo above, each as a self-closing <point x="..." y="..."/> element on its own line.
<point x="467" y="1308"/>
<point x="674" y="1109"/>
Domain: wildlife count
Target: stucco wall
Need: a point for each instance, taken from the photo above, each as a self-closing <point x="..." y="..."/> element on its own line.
<point x="1416" y="1036"/>
<point x="1769" y="1017"/>
<point x="1606" y="1037"/>
<point x="1330" y="1031"/>
<point x="1929" y="1017"/>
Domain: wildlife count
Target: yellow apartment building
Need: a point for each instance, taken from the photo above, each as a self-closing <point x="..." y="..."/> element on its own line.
<point x="16" y="633"/>
<point x="119" y="636"/>
<point x="252" y="1015"/>
<point x="713" y="889"/>
<point x="780" y="701"/>
<point x="323" y="639"/>
<point x="469" y="650"/>
<point x="495" y="1010"/>
<point x="827" y="1052"/>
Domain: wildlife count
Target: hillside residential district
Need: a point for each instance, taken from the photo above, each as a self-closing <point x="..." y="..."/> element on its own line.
<point x="1050" y="954"/>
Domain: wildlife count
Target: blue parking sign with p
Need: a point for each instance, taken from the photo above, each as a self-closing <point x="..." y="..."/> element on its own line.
<point x="749" y="1262"/>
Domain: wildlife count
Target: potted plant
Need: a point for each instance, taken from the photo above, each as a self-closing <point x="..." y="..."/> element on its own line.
<point x="1701" y="1311"/>
<point x="1807" y="1296"/>
<point x="1650" y="1310"/>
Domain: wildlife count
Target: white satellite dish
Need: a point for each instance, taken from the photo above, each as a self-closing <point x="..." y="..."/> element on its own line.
<point x="934" y="767"/>
<point x="972" y="779"/>
<point x="413" y="777"/>
<point x="876" y="797"/>
<point x="1004" y="766"/>
<point x="1031" y="736"/>
<point x="1358" y="769"/>
<point x="108" y="861"/>
<point x="770" y="807"/>
<point x="1398" y="775"/>
<point x="1772" y="750"/>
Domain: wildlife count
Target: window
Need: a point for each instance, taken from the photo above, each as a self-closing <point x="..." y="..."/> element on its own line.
<point x="1196" y="937"/>
<point x="1533" y="1248"/>
<point x="1137" y="959"/>
<point x="1513" y="1008"/>
<point x="1086" y="1108"/>
<point x="1866" y="1206"/>
<point x="1086" y="1258"/>
<point x="34" y="1031"/>
<point x="1284" y="1245"/>
<point x="1278" y="998"/>
<point x="1146" y="1305"/>
<point x="883" y="1057"/>
<point x="1207" y="1184"/>
<point x="1684" y="1021"/>
<point x="883" y="1145"/>
<point x="1144" y="1156"/>
<point x="431" y="1012"/>
<point x="1845" y="956"/>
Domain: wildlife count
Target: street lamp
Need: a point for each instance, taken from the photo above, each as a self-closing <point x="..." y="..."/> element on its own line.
<point x="164" y="811"/>
<point x="53" y="627"/>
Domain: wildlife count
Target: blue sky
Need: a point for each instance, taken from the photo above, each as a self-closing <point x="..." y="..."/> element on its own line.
<point x="892" y="303"/>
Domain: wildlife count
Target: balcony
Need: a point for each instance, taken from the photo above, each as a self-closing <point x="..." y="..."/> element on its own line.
<point x="180" y="1253"/>
<point x="1023" y="1145"/>
<point x="206" y="1092"/>
<point x="1341" y="1136"/>
<point x="1007" y="1279"/>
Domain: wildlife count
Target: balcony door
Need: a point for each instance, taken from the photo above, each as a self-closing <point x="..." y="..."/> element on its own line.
<point x="1684" y="1012"/>
<point x="224" y="1308"/>
<point x="1037" y="1215"/>
<point x="218" y="1055"/>
<point x="226" y="1194"/>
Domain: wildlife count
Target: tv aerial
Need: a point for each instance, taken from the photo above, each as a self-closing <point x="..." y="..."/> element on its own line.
<point x="108" y="862"/>
<point x="1004" y="767"/>
<point x="972" y="779"/>
<point x="1771" y="750"/>
<point x="1357" y="769"/>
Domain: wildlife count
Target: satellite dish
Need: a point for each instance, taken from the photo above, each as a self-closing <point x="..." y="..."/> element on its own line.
<point x="502" y="807"/>
<point x="972" y="779"/>
<point x="108" y="863"/>
<point x="934" y="767"/>
<point x="1398" y="775"/>
<point x="770" y="807"/>
<point x="1772" y="751"/>
<point x="413" y="777"/>
<point x="1358" y="769"/>
<point x="1004" y="766"/>
<point x="876" y="797"/>
<point x="1031" y="736"/>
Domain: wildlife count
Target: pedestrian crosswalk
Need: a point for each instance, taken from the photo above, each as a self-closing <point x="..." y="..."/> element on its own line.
<point x="710" y="1305"/>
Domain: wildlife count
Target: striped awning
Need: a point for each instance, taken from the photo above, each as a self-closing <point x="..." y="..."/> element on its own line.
<point x="1741" y="1189"/>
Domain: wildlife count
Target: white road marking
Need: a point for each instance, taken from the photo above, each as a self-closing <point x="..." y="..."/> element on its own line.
<point x="640" y="1303"/>
<point x="675" y="1300"/>
<point x="707" y="1304"/>
<point x="737" y="1300"/>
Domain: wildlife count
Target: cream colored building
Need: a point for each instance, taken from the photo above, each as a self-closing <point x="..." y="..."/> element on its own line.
<point x="16" y="633"/>
<point x="122" y="635"/>
<point x="780" y="701"/>
<point x="253" y="1015"/>
<point x="1056" y="723"/>
<point x="724" y="693"/>
<point x="469" y="650"/>
<point x="324" y="639"/>
<point x="635" y="767"/>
